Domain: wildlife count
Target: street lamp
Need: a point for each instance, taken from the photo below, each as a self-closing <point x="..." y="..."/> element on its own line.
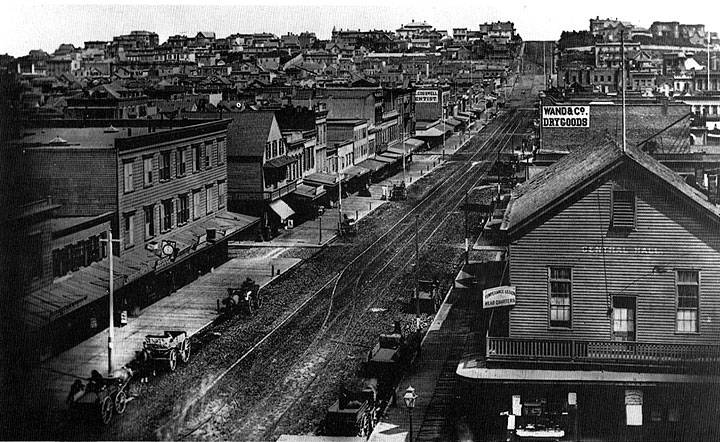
<point x="320" y="212"/>
<point x="409" y="399"/>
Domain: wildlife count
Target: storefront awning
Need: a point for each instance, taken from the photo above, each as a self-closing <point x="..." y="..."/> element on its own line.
<point x="309" y="192"/>
<point x="398" y="149"/>
<point x="384" y="159"/>
<point x="90" y="283"/>
<point x="462" y="118"/>
<point x="279" y="162"/>
<point x="431" y="132"/>
<point x="372" y="164"/>
<point x="391" y="154"/>
<point x="282" y="209"/>
<point x="321" y="179"/>
<point x="417" y="144"/>
<point x="452" y="122"/>
<point x="355" y="171"/>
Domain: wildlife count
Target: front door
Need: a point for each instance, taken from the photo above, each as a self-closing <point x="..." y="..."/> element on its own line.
<point x="623" y="318"/>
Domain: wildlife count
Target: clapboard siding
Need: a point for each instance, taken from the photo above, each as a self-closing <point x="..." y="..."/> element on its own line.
<point x="669" y="232"/>
<point x="153" y="194"/>
<point x="80" y="179"/>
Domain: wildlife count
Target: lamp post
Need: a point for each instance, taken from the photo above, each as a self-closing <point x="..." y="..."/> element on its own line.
<point x="111" y="301"/>
<point x="320" y="212"/>
<point x="409" y="399"/>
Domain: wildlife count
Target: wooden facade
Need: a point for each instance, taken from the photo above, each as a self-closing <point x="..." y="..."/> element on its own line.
<point x="669" y="234"/>
<point x="201" y="182"/>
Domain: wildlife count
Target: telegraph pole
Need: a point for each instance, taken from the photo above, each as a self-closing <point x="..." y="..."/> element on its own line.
<point x="111" y="302"/>
<point x="417" y="269"/>
<point x="337" y="158"/>
<point x="622" y="62"/>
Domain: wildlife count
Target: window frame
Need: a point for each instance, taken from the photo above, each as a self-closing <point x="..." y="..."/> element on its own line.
<point x="129" y="177"/>
<point x="222" y="194"/>
<point x="129" y="232"/>
<point x="697" y="298"/>
<point x="209" y="199"/>
<point x="148" y="174"/>
<point x="196" y="154"/>
<point x="550" y="280"/>
<point x="197" y="206"/>
<point x="166" y="215"/>
<point x="165" y="166"/>
<point x="183" y="213"/>
<point x="618" y="337"/>
<point x="150" y="232"/>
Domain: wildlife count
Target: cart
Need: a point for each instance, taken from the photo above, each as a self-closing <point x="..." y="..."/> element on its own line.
<point x="348" y="226"/>
<point x="101" y="397"/>
<point x="165" y="349"/>
<point x="398" y="192"/>
<point x="246" y="299"/>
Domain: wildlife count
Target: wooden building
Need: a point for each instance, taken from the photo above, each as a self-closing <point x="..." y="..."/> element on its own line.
<point x="161" y="189"/>
<point x="615" y="263"/>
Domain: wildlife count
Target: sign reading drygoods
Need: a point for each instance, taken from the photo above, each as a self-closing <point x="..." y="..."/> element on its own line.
<point x="426" y="96"/>
<point x="499" y="296"/>
<point x="566" y="116"/>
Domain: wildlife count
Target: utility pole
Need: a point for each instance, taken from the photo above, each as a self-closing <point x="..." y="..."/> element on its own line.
<point x="708" y="62"/>
<point x="622" y="62"/>
<point x="337" y="160"/>
<point x="417" y="269"/>
<point x="111" y="301"/>
<point x="467" y="233"/>
<point x="544" y="69"/>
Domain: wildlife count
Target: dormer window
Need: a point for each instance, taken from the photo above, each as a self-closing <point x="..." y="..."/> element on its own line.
<point x="623" y="210"/>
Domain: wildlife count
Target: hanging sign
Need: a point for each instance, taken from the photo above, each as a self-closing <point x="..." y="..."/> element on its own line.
<point x="566" y="116"/>
<point x="499" y="296"/>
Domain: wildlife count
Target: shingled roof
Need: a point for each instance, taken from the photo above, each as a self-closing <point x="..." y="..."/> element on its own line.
<point x="555" y="186"/>
<point x="249" y="133"/>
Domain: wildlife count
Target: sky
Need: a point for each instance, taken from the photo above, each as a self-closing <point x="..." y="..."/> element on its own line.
<point x="32" y="24"/>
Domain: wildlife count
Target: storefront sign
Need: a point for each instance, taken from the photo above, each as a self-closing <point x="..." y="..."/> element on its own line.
<point x="566" y="116"/>
<point x="622" y="250"/>
<point x="633" y="397"/>
<point x="426" y="96"/>
<point x="499" y="296"/>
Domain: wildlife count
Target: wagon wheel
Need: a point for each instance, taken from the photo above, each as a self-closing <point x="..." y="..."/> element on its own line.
<point x="172" y="360"/>
<point x="106" y="410"/>
<point x="185" y="351"/>
<point x="119" y="399"/>
<point x="259" y="300"/>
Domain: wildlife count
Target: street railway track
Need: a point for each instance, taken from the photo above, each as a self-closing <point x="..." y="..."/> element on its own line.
<point x="403" y="233"/>
<point x="250" y="367"/>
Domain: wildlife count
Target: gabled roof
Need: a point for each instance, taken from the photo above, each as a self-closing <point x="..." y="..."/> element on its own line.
<point x="554" y="187"/>
<point x="250" y="132"/>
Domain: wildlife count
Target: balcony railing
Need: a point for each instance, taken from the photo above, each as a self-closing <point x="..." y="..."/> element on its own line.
<point x="272" y="195"/>
<point x="500" y="349"/>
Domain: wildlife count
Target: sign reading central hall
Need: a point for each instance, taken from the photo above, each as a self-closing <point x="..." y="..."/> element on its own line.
<point x="566" y="116"/>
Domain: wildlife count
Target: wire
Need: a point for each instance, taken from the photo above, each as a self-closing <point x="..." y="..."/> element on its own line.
<point x="602" y="246"/>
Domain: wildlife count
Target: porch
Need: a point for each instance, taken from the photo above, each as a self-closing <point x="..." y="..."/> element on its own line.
<point x="586" y="351"/>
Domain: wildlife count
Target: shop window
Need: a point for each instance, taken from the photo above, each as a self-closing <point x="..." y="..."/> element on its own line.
<point x="688" y="296"/>
<point x="560" y="288"/>
<point x="623" y="210"/>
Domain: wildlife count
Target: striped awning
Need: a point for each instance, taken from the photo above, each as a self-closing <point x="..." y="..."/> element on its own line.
<point x="282" y="209"/>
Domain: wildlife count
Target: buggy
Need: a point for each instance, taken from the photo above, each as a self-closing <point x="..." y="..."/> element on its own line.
<point x="348" y="226"/>
<point x="398" y="192"/>
<point x="101" y="396"/>
<point x="165" y="349"/>
<point x="246" y="299"/>
<point x="429" y="296"/>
